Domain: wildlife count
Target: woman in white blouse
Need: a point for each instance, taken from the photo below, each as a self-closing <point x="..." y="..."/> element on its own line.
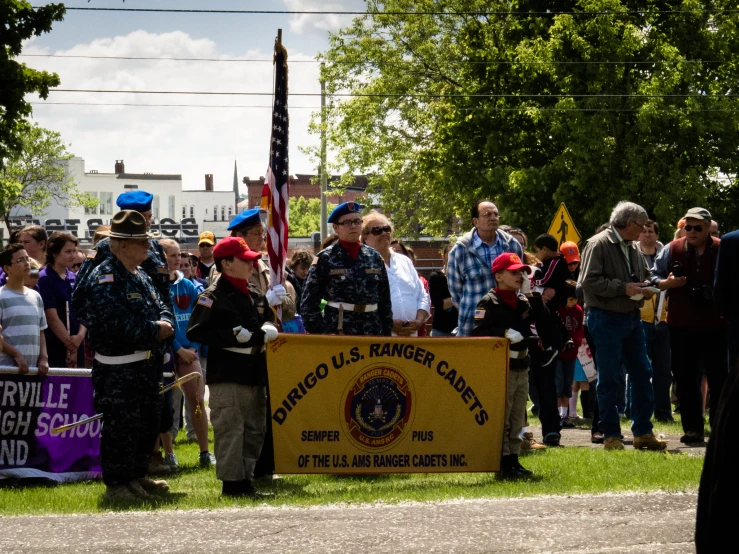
<point x="410" y="300"/>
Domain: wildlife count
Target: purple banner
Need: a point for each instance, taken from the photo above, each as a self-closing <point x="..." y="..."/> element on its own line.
<point x="30" y="406"/>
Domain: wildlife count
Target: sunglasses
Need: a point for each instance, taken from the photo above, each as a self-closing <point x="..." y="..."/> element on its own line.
<point x="377" y="231"/>
<point x="696" y="228"/>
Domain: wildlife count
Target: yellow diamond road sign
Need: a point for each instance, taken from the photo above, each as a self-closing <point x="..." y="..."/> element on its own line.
<point x="563" y="228"/>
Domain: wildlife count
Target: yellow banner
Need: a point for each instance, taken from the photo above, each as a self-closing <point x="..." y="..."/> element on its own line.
<point x="346" y="404"/>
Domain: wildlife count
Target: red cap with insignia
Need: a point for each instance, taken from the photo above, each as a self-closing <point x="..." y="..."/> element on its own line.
<point x="570" y="251"/>
<point x="509" y="261"/>
<point x="235" y="246"/>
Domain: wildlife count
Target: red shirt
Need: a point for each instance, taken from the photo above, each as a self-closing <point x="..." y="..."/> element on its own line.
<point x="573" y="320"/>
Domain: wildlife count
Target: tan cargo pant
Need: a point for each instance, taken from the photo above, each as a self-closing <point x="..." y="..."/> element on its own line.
<point x="515" y="411"/>
<point x="238" y="414"/>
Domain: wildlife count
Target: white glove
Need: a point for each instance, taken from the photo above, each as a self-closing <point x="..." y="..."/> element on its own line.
<point x="276" y="295"/>
<point x="242" y="335"/>
<point x="513" y="336"/>
<point x="270" y="332"/>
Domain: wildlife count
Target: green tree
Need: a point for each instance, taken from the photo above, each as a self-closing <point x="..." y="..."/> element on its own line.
<point x="19" y="21"/>
<point x="532" y="107"/>
<point x="305" y="216"/>
<point x="36" y="176"/>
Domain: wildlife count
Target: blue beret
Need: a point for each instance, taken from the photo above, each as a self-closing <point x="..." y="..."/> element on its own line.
<point x="343" y="209"/>
<point x="138" y="200"/>
<point x="247" y="218"/>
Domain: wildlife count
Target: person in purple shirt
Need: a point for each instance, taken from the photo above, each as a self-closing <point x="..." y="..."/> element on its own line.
<point x="64" y="335"/>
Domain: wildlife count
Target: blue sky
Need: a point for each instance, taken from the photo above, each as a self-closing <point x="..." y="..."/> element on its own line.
<point x="190" y="141"/>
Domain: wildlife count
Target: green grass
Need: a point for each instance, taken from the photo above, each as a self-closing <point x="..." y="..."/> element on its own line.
<point x="558" y="471"/>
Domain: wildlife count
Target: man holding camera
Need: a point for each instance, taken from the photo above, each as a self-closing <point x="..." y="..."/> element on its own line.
<point x="686" y="268"/>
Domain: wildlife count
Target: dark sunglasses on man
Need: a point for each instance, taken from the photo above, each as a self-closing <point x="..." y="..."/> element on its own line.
<point x="377" y="231"/>
<point x="696" y="228"/>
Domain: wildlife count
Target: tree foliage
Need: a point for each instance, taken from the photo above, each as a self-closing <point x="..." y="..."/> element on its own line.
<point x="36" y="176"/>
<point x="305" y="216"/>
<point x="19" y="21"/>
<point x="531" y="107"/>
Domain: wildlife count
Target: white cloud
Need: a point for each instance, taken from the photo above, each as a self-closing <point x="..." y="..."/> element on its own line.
<point x="191" y="141"/>
<point x="304" y="23"/>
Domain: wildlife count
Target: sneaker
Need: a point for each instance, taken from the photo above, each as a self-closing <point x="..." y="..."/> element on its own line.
<point x="548" y="356"/>
<point x="566" y="423"/>
<point x="157" y="465"/>
<point x="552" y="439"/>
<point x="171" y="461"/>
<point x="206" y="459"/>
<point x="692" y="437"/>
<point x="613" y="443"/>
<point x="597" y="437"/>
<point x="153" y="487"/>
<point x="119" y="493"/>
<point x="649" y="442"/>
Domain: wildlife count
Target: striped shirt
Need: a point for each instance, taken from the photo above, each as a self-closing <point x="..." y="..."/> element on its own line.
<point x="22" y="317"/>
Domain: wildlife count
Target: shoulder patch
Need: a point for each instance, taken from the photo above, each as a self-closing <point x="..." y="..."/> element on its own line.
<point x="107" y="278"/>
<point x="91" y="254"/>
<point x="205" y="301"/>
<point x="315" y="261"/>
<point x="479" y="314"/>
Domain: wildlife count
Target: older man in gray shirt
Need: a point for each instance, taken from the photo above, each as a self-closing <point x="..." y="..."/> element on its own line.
<point x="614" y="280"/>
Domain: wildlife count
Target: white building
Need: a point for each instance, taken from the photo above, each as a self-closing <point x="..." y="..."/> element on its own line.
<point x="212" y="209"/>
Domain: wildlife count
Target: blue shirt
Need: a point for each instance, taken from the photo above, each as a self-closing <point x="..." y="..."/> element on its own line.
<point x="57" y="295"/>
<point x="486" y="251"/>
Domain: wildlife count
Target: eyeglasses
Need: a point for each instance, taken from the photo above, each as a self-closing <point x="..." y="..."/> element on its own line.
<point x="642" y="226"/>
<point x="262" y="234"/>
<point x="696" y="228"/>
<point x="488" y="215"/>
<point x="350" y="223"/>
<point x="377" y="231"/>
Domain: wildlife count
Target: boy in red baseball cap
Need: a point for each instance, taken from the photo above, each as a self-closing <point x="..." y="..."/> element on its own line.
<point x="505" y="312"/>
<point x="234" y="320"/>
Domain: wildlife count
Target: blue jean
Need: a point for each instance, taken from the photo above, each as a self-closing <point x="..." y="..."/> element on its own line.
<point x="564" y="377"/>
<point x="619" y="340"/>
<point x="658" y="349"/>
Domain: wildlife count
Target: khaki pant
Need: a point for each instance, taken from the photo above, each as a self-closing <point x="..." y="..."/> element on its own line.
<point x="515" y="411"/>
<point x="238" y="414"/>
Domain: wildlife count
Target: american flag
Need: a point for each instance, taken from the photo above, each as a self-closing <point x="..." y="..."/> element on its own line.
<point x="275" y="193"/>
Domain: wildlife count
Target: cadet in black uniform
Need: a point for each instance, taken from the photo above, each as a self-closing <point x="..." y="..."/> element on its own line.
<point x="127" y="325"/>
<point x="352" y="278"/>
<point x="234" y="320"/>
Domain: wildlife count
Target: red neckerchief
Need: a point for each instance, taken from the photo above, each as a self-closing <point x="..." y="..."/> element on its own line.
<point x="351" y="247"/>
<point x="240" y="284"/>
<point x="510" y="297"/>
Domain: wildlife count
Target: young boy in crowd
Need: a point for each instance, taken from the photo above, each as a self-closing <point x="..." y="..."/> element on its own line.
<point x="234" y="320"/>
<point x="22" y="316"/>
<point x="571" y="315"/>
<point x="505" y="312"/>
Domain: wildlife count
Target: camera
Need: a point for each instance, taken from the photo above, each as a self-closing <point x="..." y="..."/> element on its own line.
<point x="677" y="269"/>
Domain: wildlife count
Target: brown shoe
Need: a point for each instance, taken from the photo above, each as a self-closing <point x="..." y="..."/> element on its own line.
<point x="138" y="490"/>
<point x="119" y="493"/>
<point x="613" y="443"/>
<point x="649" y="442"/>
<point x="157" y="465"/>
<point x="153" y="487"/>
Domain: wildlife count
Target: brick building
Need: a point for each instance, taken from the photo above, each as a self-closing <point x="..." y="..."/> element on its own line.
<point x="301" y="185"/>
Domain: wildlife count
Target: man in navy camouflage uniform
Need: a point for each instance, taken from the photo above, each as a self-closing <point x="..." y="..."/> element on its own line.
<point x="352" y="278"/>
<point x="155" y="264"/>
<point x="127" y="326"/>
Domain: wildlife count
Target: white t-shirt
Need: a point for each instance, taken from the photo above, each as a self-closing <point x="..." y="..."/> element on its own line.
<point x="22" y="317"/>
<point x="407" y="293"/>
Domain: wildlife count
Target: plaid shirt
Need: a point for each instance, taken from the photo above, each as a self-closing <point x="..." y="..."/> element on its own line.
<point x="470" y="275"/>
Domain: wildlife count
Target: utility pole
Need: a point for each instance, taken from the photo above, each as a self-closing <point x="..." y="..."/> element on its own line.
<point x="324" y="177"/>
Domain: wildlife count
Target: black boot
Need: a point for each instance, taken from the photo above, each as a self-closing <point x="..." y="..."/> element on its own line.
<point x="507" y="469"/>
<point x="522" y="471"/>
<point x="231" y="488"/>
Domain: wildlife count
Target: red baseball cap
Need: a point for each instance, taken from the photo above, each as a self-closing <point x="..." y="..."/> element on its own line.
<point x="570" y="251"/>
<point x="235" y="246"/>
<point x="509" y="261"/>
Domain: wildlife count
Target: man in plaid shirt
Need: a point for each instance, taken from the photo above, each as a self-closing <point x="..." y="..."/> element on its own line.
<point x="469" y="270"/>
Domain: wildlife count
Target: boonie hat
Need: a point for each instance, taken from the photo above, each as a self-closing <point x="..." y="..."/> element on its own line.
<point x="698" y="213"/>
<point x="207" y="237"/>
<point x="509" y="261"/>
<point x="570" y="251"/>
<point x="127" y="224"/>
<point x="138" y="200"/>
<point x="344" y="209"/>
<point x="247" y="218"/>
<point x="235" y="246"/>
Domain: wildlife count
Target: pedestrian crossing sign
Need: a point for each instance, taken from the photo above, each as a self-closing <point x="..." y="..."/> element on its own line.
<point x="563" y="228"/>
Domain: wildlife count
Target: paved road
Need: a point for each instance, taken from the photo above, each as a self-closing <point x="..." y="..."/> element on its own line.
<point x="632" y="523"/>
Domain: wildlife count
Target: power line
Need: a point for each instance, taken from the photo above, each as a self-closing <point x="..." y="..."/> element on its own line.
<point x="465" y="62"/>
<point x="317" y="108"/>
<point x="399" y="95"/>
<point x="375" y="14"/>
